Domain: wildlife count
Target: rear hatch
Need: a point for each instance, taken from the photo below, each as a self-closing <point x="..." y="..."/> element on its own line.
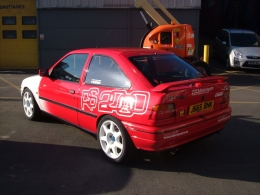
<point x="196" y="97"/>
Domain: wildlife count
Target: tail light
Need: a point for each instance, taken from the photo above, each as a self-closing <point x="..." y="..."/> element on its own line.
<point x="225" y="97"/>
<point x="198" y="84"/>
<point x="163" y="111"/>
<point x="221" y="80"/>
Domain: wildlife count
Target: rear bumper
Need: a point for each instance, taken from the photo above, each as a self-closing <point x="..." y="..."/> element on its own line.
<point x="165" y="137"/>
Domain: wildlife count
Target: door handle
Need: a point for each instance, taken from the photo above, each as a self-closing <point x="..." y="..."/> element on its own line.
<point x="72" y="91"/>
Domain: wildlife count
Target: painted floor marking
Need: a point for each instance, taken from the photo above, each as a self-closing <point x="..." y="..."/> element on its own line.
<point x="234" y="72"/>
<point x="246" y="87"/>
<point x="237" y="102"/>
<point x="253" y="90"/>
<point x="13" y="85"/>
<point x="7" y="135"/>
<point x="10" y="98"/>
<point x="238" y="88"/>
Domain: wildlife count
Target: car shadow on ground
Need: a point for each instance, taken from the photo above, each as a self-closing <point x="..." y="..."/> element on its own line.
<point x="233" y="154"/>
<point x="33" y="168"/>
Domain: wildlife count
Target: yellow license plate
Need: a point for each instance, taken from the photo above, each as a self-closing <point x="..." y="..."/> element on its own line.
<point x="201" y="106"/>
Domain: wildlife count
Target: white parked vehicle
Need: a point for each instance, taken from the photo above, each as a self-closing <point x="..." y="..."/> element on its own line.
<point x="239" y="48"/>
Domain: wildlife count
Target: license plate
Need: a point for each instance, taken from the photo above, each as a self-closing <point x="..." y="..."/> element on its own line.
<point x="201" y="106"/>
<point x="254" y="62"/>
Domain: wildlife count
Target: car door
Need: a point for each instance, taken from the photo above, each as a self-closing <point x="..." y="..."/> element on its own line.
<point x="220" y="44"/>
<point x="59" y="92"/>
<point x="104" y="84"/>
<point x="225" y="49"/>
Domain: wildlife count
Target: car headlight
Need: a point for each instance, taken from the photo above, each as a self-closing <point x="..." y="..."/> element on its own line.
<point x="238" y="54"/>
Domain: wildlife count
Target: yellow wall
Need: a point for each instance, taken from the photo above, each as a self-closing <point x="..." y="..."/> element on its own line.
<point x="19" y="53"/>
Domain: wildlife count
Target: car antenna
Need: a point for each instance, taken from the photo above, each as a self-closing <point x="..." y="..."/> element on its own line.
<point x="102" y="40"/>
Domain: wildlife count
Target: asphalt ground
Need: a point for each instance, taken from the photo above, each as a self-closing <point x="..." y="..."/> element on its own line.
<point x="51" y="157"/>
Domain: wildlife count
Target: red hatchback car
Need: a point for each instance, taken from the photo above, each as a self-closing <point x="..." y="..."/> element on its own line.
<point x="131" y="98"/>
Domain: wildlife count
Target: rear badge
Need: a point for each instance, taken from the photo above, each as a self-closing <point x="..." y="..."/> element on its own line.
<point x="171" y="98"/>
<point x="201" y="91"/>
<point x="182" y="112"/>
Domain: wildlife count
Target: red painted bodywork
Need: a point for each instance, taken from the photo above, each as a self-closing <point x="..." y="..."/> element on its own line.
<point x="84" y="107"/>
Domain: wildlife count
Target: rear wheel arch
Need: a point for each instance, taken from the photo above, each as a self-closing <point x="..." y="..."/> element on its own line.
<point x="114" y="139"/>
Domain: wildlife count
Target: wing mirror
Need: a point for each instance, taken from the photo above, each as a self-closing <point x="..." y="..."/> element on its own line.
<point x="44" y="72"/>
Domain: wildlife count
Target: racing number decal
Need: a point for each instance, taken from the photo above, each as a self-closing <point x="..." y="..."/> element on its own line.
<point x="89" y="98"/>
<point x="117" y="101"/>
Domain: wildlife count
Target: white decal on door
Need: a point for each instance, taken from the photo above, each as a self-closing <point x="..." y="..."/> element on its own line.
<point x="116" y="101"/>
<point x="89" y="98"/>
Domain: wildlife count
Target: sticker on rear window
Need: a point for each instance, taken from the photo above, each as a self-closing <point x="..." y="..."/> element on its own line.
<point x="95" y="81"/>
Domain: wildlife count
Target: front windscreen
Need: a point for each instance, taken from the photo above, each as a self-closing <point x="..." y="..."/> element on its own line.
<point x="165" y="68"/>
<point x="244" y="40"/>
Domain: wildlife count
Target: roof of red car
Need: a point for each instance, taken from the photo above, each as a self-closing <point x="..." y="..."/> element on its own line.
<point x="120" y="50"/>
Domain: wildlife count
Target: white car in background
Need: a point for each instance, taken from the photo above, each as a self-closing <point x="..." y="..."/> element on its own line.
<point x="239" y="48"/>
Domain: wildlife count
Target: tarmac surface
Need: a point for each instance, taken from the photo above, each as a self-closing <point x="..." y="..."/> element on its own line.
<point x="51" y="157"/>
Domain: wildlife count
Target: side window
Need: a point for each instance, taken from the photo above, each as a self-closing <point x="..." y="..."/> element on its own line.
<point x="226" y="37"/>
<point x="212" y="2"/>
<point x="166" y="37"/>
<point x="104" y="71"/>
<point x="220" y="35"/>
<point x="70" y="68"/>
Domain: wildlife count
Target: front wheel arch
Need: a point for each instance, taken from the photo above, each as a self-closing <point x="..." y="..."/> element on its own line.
<point x="30" y="106"/>
<point x="228" y="65"/>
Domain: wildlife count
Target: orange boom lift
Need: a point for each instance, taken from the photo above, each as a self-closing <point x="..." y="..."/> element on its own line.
<point x="175" y="37"/>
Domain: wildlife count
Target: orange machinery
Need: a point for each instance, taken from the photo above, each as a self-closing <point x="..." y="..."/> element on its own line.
<point x="175" y="37"/>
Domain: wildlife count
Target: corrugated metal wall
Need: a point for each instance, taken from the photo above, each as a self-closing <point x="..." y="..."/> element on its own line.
<point x="65" y="25"/>
<point x="183" y="4"/>
<point x="62" y="30"/>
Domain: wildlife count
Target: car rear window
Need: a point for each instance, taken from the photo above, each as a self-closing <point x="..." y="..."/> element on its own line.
<point x="165" y="68"/>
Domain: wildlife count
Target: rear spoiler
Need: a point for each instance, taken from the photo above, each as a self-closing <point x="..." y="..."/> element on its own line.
<point x="192" y="82"/>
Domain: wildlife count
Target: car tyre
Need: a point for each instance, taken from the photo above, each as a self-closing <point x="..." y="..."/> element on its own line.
<point x="203" y="67"/>
<point x="30" y="106"/>
<point x="214" y="53"/>
<point x="228" y="63"/>
<point x="114" y="140"/>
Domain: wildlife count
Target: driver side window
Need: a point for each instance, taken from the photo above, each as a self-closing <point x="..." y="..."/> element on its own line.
<point x="70" y="68"/>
